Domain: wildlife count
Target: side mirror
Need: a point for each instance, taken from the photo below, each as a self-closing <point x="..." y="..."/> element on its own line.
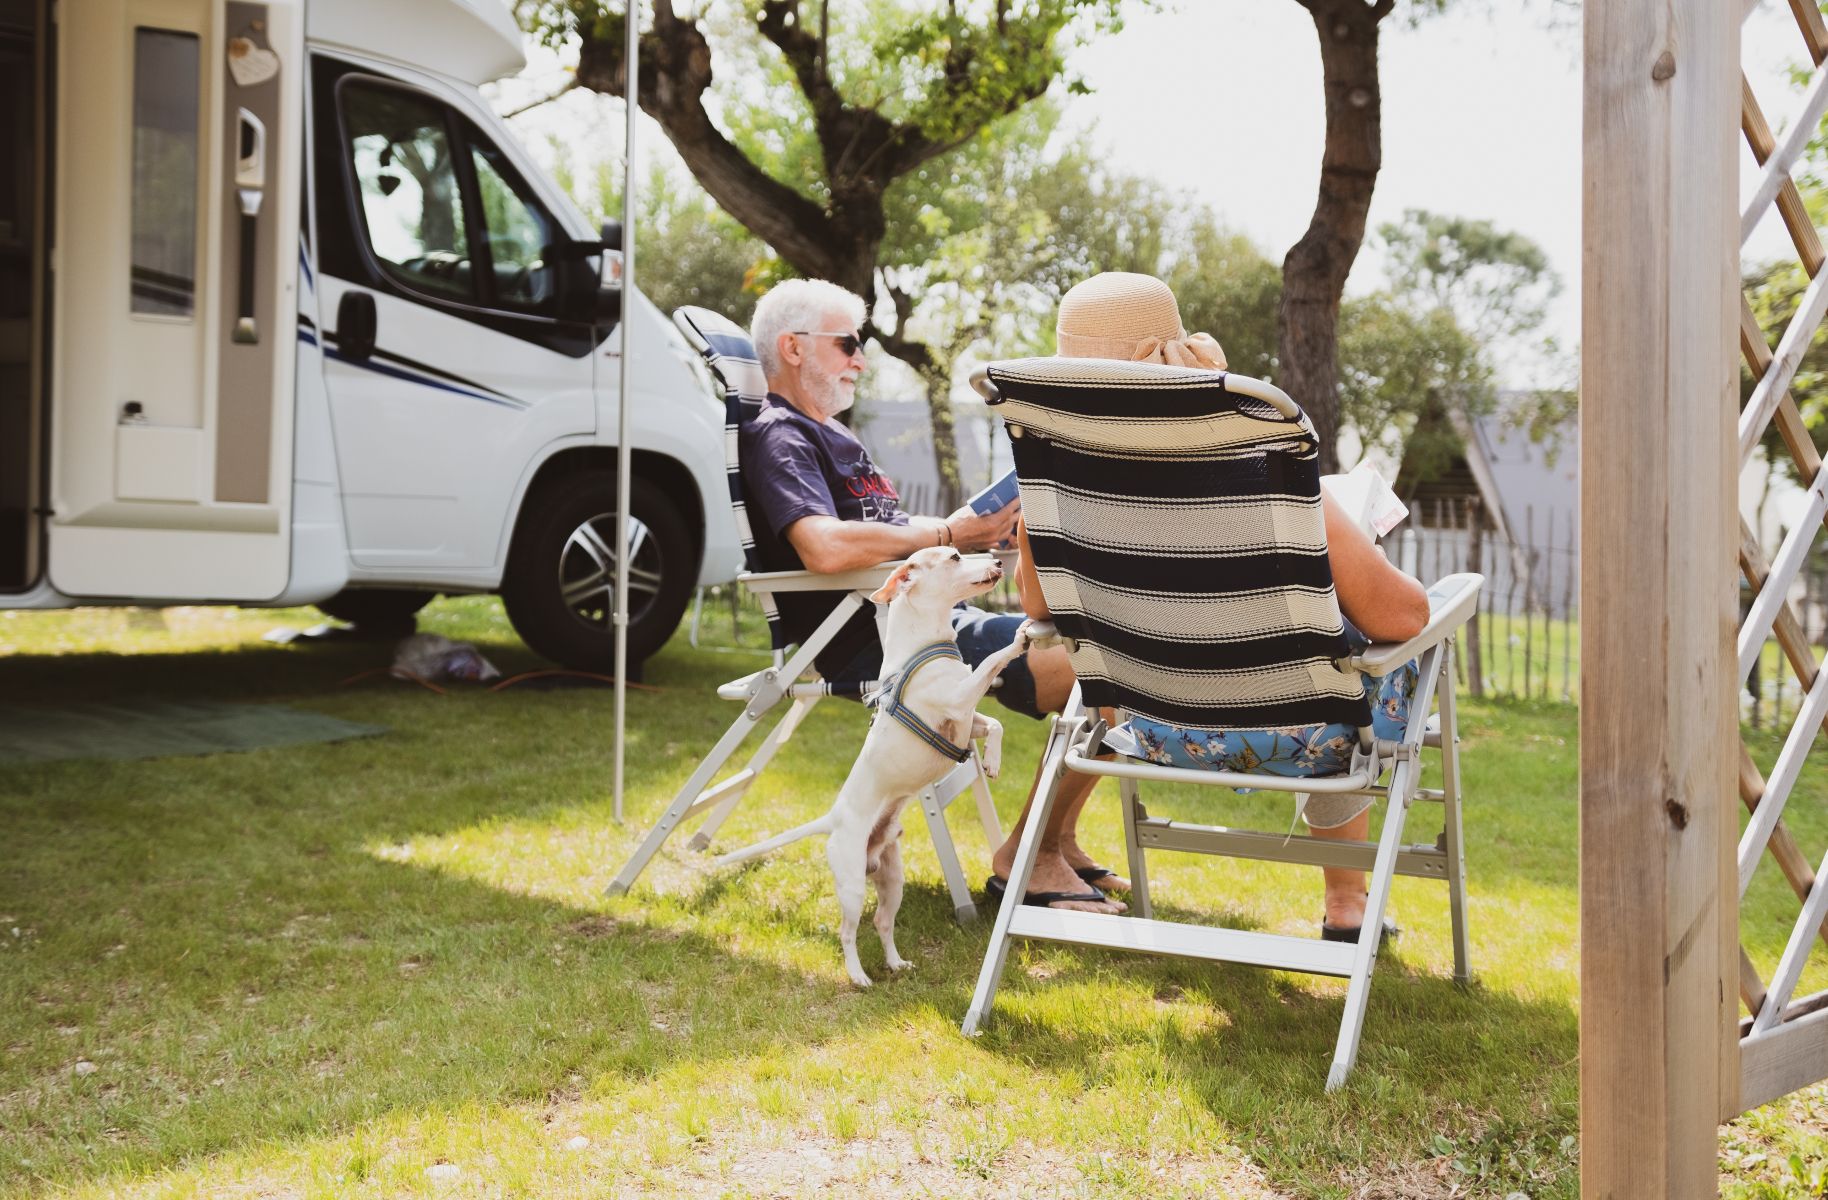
<point x="609" y="277"/>
<point x="595" y="301"/>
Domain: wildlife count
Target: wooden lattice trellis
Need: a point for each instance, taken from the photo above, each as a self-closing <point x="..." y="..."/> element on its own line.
<point x="1784" y="1040"/>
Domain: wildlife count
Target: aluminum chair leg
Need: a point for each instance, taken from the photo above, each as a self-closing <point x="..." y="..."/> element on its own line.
<point x="1452" y="829"/>
<point x="986" y="807"/>
<point x="964" y="909"/>
<point x="1383" y="872"/>
<point x="1139" y="870"/>
<point x="707" y="770"/>
<point x="1053" y="763"/>
<point x="779" y="736"/>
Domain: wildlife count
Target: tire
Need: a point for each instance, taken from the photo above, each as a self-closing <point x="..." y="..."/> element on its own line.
<point x="560" y="588"/>
<point x="380" y="611"/>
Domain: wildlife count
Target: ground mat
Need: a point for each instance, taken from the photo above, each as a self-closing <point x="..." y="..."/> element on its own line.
<point x="161" y="729"/>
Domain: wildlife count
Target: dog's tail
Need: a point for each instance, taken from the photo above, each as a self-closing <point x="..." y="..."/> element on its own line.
<point x="821" y="824"/>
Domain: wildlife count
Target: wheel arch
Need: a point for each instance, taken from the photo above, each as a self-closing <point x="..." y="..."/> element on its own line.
<point x="664" y="471"/>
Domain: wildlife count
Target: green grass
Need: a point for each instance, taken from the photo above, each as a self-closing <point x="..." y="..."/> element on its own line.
<point x="321" y="971"/>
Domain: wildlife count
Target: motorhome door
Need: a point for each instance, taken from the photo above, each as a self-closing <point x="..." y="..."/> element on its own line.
<point x="175" y="244"/>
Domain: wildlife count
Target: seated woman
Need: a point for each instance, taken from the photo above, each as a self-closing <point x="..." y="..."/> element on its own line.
<point x="1135" y="318"/>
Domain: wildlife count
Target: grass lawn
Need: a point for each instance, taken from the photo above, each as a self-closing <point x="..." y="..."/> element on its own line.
<point x="328" y="970"/>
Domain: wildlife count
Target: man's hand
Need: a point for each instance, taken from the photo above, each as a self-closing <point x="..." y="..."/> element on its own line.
<point x="981" y="531"/>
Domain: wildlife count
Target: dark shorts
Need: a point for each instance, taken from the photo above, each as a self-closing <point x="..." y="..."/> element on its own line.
<point x="980" y="634"/>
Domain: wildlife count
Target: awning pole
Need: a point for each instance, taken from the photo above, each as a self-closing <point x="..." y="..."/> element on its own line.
<point x="624" y="394"/>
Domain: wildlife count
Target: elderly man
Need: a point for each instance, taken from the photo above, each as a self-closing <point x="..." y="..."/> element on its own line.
<point x="818" y="503"/>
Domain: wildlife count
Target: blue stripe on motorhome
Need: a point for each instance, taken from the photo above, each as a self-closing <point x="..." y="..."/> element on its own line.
<point x="307" y="337"/>
<point x="304" y="264"/>
<point x="396" y="373"/>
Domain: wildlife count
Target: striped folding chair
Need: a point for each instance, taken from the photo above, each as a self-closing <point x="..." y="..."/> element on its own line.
<point x="790" y="678"/>
<point x="1176" y="525"/>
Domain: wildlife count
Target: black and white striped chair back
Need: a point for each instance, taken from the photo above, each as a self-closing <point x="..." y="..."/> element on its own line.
<point x="731" y="356"/>
<point x="1177" y="529"/>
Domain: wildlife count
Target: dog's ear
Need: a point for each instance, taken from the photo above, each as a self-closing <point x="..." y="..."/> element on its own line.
<point x="895" y="584"/>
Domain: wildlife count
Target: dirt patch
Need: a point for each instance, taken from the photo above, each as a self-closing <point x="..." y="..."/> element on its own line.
<point x="892" y="1162"/>
<point x="593" y="928"/>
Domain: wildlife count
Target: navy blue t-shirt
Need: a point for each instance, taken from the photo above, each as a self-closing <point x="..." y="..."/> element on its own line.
<point x="795" y="467"/>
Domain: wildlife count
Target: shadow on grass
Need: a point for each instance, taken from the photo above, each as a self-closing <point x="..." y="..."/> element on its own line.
<point x="248" y="951"/>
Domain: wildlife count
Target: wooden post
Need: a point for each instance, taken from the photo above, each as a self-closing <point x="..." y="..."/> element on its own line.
<point x="1472" y="656"/>
<point x="1659" y="1065"/>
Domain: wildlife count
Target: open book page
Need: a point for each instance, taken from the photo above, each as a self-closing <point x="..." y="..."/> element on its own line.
<point x="1367" y="498"/>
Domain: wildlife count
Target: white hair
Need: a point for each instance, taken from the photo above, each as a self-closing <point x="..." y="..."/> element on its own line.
<point x="795" y="306"/>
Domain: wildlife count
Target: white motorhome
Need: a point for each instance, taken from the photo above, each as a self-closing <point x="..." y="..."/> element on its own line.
<point x="287" y="316"/>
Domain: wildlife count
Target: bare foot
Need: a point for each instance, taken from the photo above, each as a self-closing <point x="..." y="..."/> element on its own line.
<point x="1345" y="907"/>
<point x="1076" y="858"/>
<point x="1052" y="874"/>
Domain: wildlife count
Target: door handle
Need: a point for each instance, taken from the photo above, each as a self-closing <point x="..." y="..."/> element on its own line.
<point x="355" y="325"/>
<point x="250" y="187"/>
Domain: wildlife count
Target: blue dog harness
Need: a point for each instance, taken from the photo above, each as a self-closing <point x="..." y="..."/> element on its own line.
<point x="889" y="701"/>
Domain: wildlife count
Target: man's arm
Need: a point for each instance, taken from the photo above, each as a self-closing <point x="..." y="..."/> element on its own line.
<point x="829" y="544"/>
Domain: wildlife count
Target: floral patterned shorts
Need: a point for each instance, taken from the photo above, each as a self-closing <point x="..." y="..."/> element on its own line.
<point x="1296" y="752"/>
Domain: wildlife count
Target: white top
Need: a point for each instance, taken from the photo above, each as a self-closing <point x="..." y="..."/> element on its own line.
<point x="471" y="40"/>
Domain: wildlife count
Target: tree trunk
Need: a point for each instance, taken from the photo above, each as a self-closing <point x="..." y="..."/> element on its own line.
<point x="935" y="371"/>
<point x="1314" y="273"/>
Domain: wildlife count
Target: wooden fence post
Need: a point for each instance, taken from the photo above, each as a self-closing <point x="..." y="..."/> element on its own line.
<point x="1473" y="652"/>
<point x="1659" y="1065"/>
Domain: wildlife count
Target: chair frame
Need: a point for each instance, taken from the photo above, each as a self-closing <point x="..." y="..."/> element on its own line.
<point x="790" y="680"/>
<point x="1387" y="769"/>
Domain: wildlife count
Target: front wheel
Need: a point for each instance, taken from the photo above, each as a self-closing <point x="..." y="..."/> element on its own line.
<point x="560" y="589"/>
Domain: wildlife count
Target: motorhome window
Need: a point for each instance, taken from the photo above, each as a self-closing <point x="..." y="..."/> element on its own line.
<point x="519" y="232"/>
<point x="166" y="84"/>
<point x="400" y="148"/>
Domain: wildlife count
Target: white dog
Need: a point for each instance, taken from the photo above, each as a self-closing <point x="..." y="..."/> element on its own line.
<point x="898" y="759"/>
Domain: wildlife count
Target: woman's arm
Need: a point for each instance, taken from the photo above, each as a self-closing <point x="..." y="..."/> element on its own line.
<point x="1386" y="604"/>
<point x="1028" y="581"/>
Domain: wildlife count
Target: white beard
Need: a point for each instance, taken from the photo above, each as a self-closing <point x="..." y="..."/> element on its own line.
<point x="828" y="391"/>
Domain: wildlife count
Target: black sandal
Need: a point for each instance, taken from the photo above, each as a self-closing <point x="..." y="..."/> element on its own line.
<point x="996" y="889"/>
<point x="1333" y="933"/>
<point x="1094" y="873"/>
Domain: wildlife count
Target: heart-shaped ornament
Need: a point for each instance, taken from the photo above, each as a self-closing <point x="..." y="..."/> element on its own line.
<point x="249" y="64"/>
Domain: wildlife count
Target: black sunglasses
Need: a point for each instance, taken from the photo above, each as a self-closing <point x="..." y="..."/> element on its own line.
<point x="849" y="343"/>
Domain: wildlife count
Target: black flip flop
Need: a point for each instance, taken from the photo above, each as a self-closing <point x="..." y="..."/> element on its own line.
<point x="995" y="889"/>
<point x="1333" y="933"/>
<point x="1094" y="873"/>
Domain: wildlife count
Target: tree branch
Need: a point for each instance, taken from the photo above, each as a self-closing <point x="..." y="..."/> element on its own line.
<point x="509" y="116"/>
<point x="674" y="77"/>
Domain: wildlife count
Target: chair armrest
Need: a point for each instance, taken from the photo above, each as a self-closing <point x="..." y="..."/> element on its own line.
<point x="863" y="579"/>
<point x="1451" y="603"/>
<point x="1042" y="634"/>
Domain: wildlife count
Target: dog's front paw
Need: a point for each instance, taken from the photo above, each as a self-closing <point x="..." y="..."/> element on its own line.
<point x="862" y="980"/>
<point x="993" y="765"/>
<point x="899" y="964"/>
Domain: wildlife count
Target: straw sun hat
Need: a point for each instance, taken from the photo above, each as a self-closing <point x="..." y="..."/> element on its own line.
<point x="1132" y="318"/>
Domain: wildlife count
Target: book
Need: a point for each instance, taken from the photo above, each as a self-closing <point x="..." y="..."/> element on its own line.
<point x="1369" y="500"/>
<point x="997" y="496"/>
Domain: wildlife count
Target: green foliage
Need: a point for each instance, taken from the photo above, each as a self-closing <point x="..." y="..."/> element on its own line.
<point x="1403" y="370"/>
<point x="690" y="251"/>
<point x="1497" y="283"/>
<point x="1423" y="356"/>
<point x="1032" y="221"/>
<point x="1775" y="292"/>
